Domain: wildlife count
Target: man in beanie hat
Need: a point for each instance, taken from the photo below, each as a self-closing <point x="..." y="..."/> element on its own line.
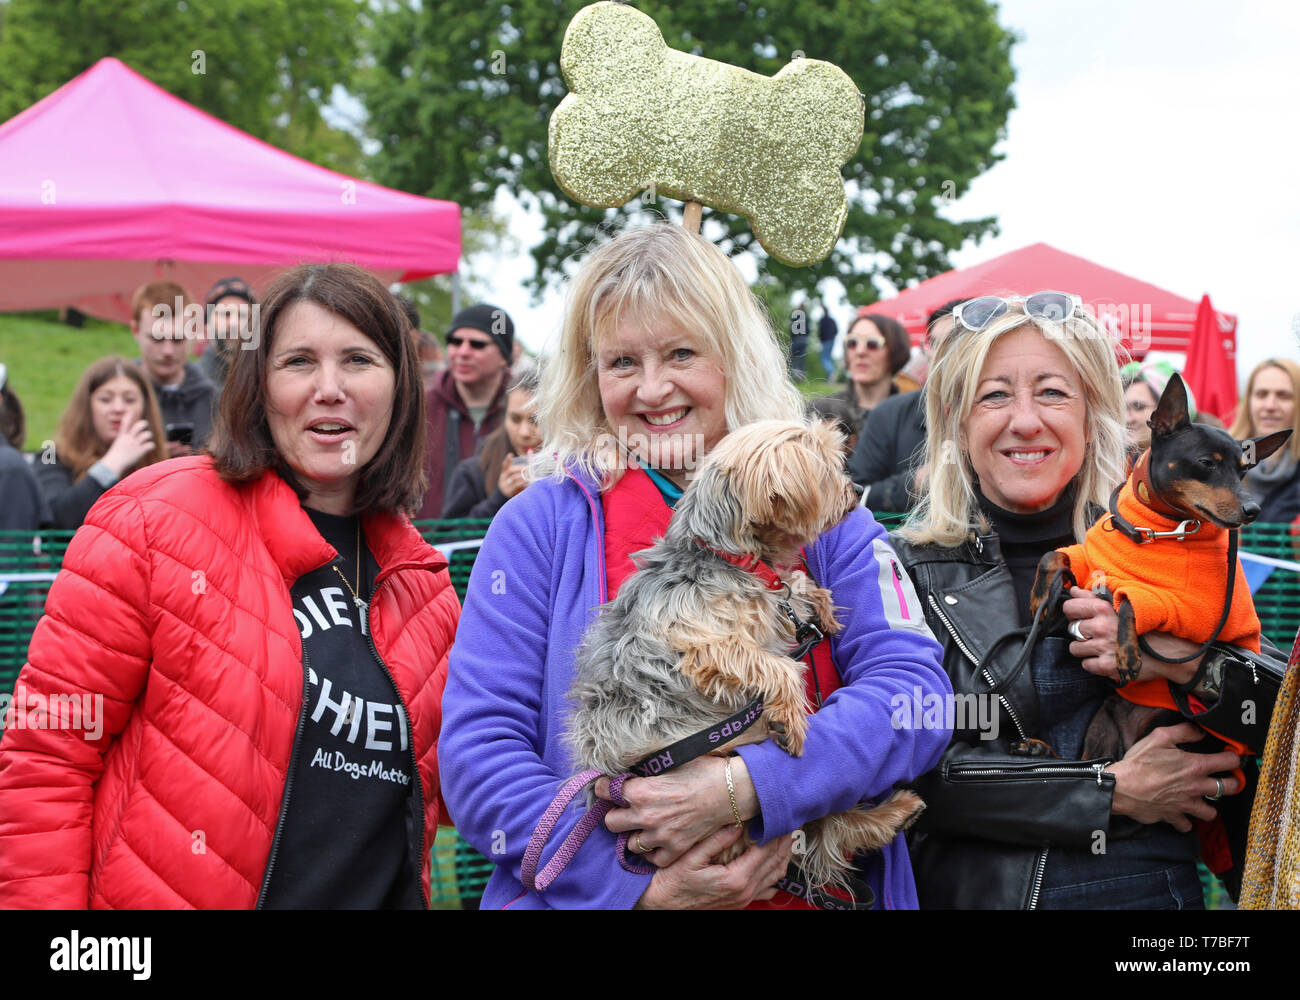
<point x="467" y="401"/>
<point x="227" y="325"/>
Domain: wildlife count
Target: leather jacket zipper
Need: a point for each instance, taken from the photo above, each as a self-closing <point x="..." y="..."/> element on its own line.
<point x="971" y="656"/>
<point x="415" y="767"/>
<point x="1038" y="879"/>
<point x="288" y="783"/>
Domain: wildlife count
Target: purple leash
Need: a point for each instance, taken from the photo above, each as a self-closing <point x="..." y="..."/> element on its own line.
<point x="540" y="882"/>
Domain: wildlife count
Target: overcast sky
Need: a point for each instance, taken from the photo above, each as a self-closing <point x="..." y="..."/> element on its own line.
<point x="1160" y="138"/>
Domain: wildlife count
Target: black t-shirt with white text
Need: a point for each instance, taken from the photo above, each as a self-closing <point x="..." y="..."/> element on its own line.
<point x="344" y="843"/>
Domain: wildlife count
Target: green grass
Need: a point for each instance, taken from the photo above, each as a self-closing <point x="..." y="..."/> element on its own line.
<point x="816" y="384"/>
<point x="45" y="359"/>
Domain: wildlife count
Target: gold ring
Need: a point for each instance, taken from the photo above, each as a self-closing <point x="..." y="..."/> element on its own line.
<point x="640" y="847"/>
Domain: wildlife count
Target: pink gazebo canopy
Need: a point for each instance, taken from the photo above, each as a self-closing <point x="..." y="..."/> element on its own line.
<point x="110" y="182"/>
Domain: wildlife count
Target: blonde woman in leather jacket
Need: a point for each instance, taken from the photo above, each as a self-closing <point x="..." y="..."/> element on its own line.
<point x="1025" y="443"/>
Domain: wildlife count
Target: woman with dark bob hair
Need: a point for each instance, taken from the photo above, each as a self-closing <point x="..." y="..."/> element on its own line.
<point x="253" y="645"/>
<point x="875" y="350"/>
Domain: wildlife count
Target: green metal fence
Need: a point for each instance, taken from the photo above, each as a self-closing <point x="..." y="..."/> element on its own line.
<point x="29" y="562"/>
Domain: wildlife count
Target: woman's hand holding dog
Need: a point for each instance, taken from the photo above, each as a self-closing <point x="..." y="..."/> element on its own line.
<point x="1098" y="620"/>
<point x="1158" y="783"/>
<point x="693" y="882"/>
<point x="675" y="811"/>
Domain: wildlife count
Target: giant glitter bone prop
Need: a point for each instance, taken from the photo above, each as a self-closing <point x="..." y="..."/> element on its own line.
<point x="641" y="116"/>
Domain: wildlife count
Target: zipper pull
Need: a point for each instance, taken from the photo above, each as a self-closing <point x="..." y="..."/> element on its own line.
<point x="897" y="574"/>
<point x="1100" y="769"/>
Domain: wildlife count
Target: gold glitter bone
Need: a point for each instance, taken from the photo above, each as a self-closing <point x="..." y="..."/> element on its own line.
<point x="642" y="116"/>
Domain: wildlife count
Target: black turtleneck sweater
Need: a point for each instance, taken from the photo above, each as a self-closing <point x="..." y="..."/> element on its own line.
<point x="1025" y="538"/>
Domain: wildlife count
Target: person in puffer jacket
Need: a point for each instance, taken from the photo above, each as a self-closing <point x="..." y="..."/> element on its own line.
<point x="233" y="699"/>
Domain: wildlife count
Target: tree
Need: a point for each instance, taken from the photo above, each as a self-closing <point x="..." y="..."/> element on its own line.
<point x="459" y="97"/>
<point x="264" y="66"/>
<point x="484" y="234"/>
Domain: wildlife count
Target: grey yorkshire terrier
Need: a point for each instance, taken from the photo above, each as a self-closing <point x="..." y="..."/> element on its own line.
<point x="692" y="638"/>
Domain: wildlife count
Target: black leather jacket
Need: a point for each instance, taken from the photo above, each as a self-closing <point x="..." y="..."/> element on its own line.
<point x="994" y="810"/>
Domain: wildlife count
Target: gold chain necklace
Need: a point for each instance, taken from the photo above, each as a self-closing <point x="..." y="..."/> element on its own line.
<point x="359" y="602"/>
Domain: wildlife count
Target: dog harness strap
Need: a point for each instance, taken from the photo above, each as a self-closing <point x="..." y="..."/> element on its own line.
<point x="528" y="874"/>
<point x="698" y="744"/>
<point x="796" y="884"/>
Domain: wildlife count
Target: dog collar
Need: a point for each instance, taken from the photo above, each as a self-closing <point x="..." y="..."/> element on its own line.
<point x="807" y="634"/>
<point x="1145" y="491"/>
<point x="750" y="564"/>
<point x="1140" y="535"/>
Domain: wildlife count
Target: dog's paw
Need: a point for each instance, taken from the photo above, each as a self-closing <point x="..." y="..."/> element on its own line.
<point x="1053" y="579"/>
<point x="788" y="728"/>
<point x="1128" y="655"/>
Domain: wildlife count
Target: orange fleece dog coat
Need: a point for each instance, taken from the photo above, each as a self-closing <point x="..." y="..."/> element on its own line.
<point x="1174" y="586"/>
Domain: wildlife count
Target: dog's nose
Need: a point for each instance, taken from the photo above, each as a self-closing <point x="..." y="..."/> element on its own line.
<point x="1249" y="511"/>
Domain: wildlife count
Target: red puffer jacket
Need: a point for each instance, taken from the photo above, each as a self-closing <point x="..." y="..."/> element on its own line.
<point x="174" y="605"/>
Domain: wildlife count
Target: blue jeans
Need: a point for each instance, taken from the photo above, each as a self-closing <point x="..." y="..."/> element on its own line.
<point x="1175" y="888"/>
<point x="1153" y="870"/>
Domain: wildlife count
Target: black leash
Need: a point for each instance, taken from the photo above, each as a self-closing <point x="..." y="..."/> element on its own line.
<point x="1223" y="620"/>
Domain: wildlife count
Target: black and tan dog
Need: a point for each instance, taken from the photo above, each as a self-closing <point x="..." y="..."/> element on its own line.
<point x="1163" y="557"/>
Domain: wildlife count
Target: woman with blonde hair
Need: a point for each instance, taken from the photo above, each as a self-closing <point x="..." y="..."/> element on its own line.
<point x="663" y="351"/>
<point x="1269" y="404"/>
<point x="111" y="428"/>
<point x="1026" y="441"/>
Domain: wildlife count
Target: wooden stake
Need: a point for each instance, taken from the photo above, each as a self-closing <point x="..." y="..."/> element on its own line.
<point x="691" y="217"/>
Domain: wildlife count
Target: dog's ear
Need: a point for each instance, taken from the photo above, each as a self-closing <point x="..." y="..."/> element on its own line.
<point x="1257" y="449"/>
<point x="711" y="511"/>
<point x="785" y="489"/>
<point x="828" y="435"/>
<point x="1171" y="411"/>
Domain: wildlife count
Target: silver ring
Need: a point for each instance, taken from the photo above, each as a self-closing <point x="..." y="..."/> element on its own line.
<point x="1076" y="630"/>
<point x="1218" y="791"/>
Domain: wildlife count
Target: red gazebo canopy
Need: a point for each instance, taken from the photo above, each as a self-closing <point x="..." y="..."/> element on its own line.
<point x="1145" y="317"/>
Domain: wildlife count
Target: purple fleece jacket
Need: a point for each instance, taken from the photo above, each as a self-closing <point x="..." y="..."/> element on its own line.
<point x="536" y="586"/>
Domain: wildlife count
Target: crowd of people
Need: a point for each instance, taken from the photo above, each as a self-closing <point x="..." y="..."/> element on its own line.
<point x="284" y="668"/>
<point x="125" y="414"/>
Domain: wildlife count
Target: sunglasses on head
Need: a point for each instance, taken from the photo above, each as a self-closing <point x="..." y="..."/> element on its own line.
<point x="977" y="314"/>
<point x="477" y="345"/>
<point x="870" y="343"/>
